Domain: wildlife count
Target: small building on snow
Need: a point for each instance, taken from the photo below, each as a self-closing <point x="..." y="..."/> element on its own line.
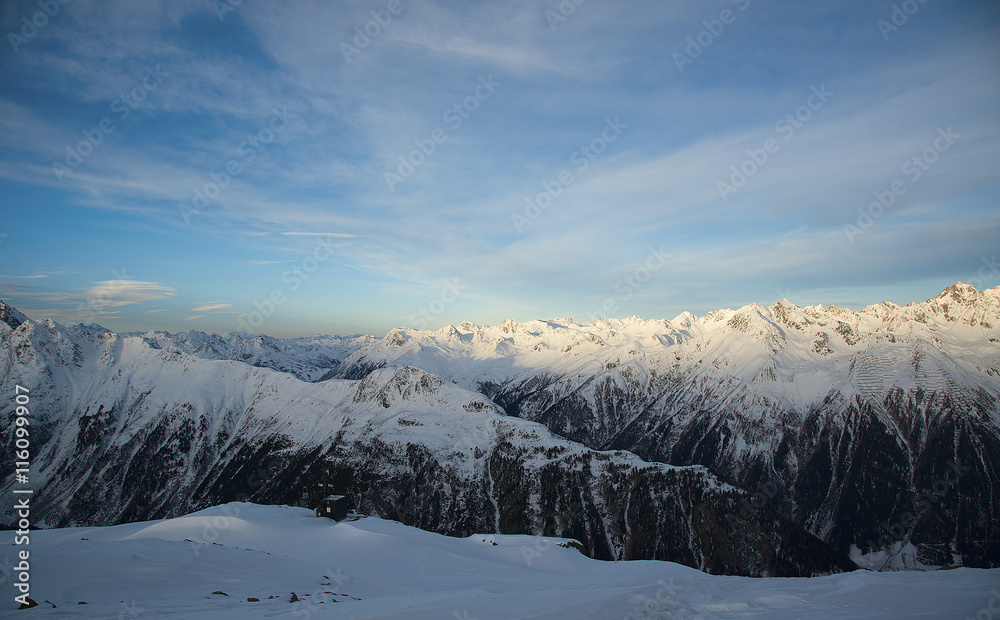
<point x="333" y="506"/>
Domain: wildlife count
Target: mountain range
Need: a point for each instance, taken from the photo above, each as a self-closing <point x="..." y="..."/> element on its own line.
<point x="877" y="430"/>
<point x="760" y="441"/>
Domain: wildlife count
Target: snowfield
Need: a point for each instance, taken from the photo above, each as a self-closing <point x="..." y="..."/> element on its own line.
<point x="209" y="564"/>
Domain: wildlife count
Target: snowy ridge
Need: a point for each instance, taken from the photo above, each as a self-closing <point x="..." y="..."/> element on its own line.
<point x="128" y="430"/>
<point x="242" y="560"/>
<point x="781" y="399"/>
<point x="775" y="343"/>
<point x="308" y="358"/>
<point x="874" y="430"/>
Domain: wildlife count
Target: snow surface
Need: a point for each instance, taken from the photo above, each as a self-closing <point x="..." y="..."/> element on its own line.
<point x="373" y="568"/>
<point x="788" y="354"/>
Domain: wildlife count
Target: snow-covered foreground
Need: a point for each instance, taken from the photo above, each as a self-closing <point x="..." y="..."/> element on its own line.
<point x="178" y="568"/>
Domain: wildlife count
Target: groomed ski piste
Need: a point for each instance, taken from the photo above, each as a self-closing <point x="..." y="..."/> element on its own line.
<point x="242" y="560"/>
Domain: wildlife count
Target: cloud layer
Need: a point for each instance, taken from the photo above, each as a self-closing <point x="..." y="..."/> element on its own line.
<point x="352" y="158"/>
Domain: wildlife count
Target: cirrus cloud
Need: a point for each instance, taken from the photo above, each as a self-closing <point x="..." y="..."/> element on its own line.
<point x="114" y="293"/>
<point x="212" y="306"/>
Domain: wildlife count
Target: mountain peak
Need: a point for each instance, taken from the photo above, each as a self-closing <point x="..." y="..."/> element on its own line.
<point x="396" y="338"/>
<point x="11" y="315"/>
<point x="959" y="291"/>
<point x="507" y="326"/>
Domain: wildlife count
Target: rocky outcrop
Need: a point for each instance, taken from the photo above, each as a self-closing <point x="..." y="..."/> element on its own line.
<point x="915" y="470"/>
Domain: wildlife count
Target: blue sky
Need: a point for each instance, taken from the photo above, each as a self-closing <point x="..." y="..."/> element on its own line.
<point x="347" y="167"/>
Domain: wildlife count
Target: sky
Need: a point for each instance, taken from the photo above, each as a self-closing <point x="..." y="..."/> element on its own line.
<point x="345" y="167"/>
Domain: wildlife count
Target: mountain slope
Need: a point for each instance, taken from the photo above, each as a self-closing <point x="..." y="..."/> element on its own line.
<point x="877" y="430"/>
<point x="308" y="359"/>
<point x="124" y="431"/>
<point x="242" y="560"/>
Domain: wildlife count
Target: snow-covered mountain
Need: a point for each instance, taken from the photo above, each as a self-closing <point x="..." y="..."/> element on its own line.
<point x="878" y="430"/>
<point x="240" y="561"/>
<point x="309" y="359"/>
<point x="124" y="428"/>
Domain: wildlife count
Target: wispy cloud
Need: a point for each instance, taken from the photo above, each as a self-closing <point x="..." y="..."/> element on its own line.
<point x="321" y="234"/>
<point x="212" y="306"/>
<point x="269" y="199"/>
<point x="113" y="293"/>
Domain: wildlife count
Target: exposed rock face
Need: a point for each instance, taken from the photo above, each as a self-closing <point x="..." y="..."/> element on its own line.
<point x="11" y="316"/>
<point x="877" y="430"/>
<point x="919" y="469"/>
<point x="127" y="431"/>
